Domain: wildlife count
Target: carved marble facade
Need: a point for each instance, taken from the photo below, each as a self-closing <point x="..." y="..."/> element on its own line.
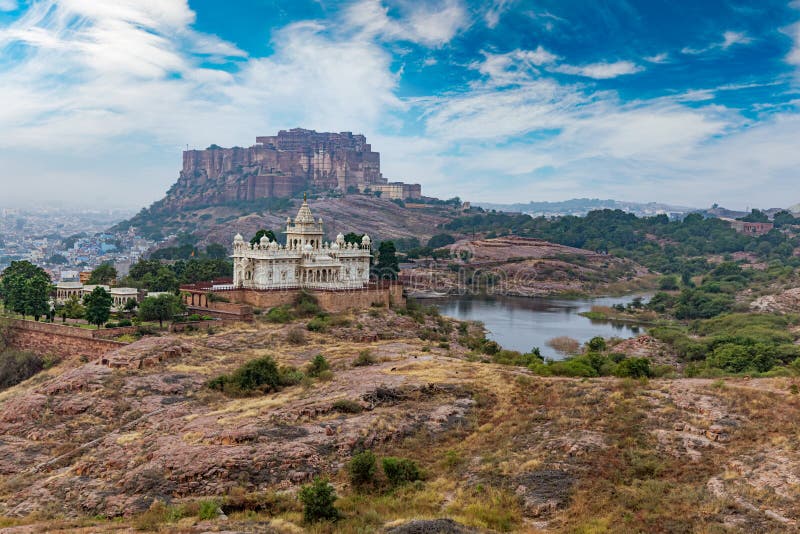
<point x="306" y="261"/>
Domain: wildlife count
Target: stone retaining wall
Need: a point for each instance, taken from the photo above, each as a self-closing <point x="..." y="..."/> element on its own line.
<point x="330" y="301"/>
<point x="59" y="340"/>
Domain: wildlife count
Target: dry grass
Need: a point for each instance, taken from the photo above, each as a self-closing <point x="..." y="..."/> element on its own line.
<point x="602" y="432"/>
<point x="564" y="345"/>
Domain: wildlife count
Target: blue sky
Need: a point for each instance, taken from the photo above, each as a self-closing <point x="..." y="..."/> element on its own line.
<point x="688" y="102"/>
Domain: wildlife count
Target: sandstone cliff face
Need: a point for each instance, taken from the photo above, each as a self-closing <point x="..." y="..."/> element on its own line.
<point x="276" y="167"/>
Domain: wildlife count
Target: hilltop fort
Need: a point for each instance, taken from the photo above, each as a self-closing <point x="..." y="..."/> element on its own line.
<point x="282" y="166"/>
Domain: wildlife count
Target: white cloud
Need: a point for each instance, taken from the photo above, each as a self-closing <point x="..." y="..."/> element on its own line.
<point x="98" y="83"/>
<point x="794" y="54"/>
<point x="495" y="11"/>
<point x="8" y="5"/>
<point x="514" y="66"/>
<point x="658" y="58"/>
<point x="102" y="88"/>
<point x="729" y="39"/>
<point x="431" y="24"/>
<point x="600" y="71"/>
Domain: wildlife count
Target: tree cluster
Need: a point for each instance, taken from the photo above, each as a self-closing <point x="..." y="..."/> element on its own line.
<point x="25" y="289"/>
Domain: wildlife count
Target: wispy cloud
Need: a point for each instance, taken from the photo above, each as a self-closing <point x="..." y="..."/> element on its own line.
<point x="729" y="39"/>
<point x="495" y="11"/>
<point x="8" y="5"/>
<point x="600" y="71"/>
<point x="430" y="24"/>
<point x="658" y="58"/>
<point x="513" y="67"/>
<point x="794" y="54"/>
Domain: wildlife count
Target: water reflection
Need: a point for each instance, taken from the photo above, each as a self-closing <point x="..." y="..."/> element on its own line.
<point x="521" y="323"/>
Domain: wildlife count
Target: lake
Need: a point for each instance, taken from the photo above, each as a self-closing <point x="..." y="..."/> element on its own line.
<point x="521" y="323"/>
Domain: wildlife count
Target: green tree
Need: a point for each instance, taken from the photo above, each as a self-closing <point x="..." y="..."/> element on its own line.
<point x="362" y="468"/>
<point x="160" y="308"/>
<point x="73" y="308"/>
<point x="25" y="289"/>
<point x="441" y="240"/>
<point x="783" y="218"/>
<point x="164" y="280"/>
<point x="400" y="470"/>
<point x="216" y="251"/>
<point x="98" y="306"/>
<point x="596" y="344"/>
<point x="387" y="267"/>
<point x="352" y="237"/>
<point x="756" y="216"/>
<point x="131" y="305"/>
<point x="57" y="259"/>
<point x="104" y="274"/>
<point x="318" y="500"/>
<point x="261" y="233"/>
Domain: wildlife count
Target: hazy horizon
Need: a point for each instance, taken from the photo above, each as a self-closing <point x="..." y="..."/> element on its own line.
<point x="506" y="101"/>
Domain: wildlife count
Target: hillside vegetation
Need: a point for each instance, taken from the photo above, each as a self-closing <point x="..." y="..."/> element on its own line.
<point x="396" y="420"/>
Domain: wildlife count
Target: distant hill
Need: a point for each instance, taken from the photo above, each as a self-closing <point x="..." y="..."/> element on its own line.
<point x="582" y="206"/>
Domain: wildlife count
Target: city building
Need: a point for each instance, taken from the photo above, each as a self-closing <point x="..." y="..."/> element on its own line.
<point x="750" y="228"/>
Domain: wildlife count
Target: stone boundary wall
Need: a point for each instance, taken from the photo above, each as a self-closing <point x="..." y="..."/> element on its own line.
<point x="330" y="301"/>
<point x="59" y="340"/>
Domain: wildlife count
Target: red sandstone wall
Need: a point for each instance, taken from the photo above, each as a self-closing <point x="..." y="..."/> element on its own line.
<point x="59" y="340"/>
<point x="330" y="301"/>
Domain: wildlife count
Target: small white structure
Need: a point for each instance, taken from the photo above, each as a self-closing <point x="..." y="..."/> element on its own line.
<point x="121" y="295"/>
<point x="65" y="290"/>
<point x="306" y="261"/>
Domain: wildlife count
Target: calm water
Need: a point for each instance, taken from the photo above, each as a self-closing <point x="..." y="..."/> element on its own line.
<point x="521" y="323"/>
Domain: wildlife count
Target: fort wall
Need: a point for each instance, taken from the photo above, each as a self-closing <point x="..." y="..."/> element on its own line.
<point x="60" y="340"/>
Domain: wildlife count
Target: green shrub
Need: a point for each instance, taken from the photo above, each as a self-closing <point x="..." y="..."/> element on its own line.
<point x="362" y="468"/>
<point x="634" y="368"/>
<point x="317" y="366"/>
<point x="306" y="304"/>
<point x="576" y="367"/>
<point x="208" y="510"/>
<point x="490" y="347"/>
<point x="318" y="500"/>
<point x="325" y="376"/>
<point x="16" y="366"/>
<point x="400" y="470"/>
<point x="125" y="322"/>
<point x="279" y="314"/>
<point x="739" y="358"/>
<point x="513" y="357"/>
<point x="260" y="375"/>
<point x="347" y="406"/>
<point x="364" y="358"/>
<point x="111" y="325"/>
<point x="596" y="344"/>
<point x="289" y="376"/>
<point x="318" y="324"/>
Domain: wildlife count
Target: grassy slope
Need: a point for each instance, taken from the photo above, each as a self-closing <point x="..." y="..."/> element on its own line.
<point x="549" y="454"/>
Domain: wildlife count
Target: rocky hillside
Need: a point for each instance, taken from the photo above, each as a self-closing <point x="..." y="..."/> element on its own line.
<point x="500" y="449"/>
<point x="380" y="218"/>
<point x="526" y="267"/>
